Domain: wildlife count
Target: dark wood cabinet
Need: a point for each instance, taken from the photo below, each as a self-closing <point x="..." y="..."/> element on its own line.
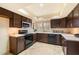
<point x="70" y="47"/>
<point x="55" y="23"/>
<point x="17" y="44"/>
<point x="34" y="37"/>
<point x="69" y="23"/>
<point x="16" y="21"/>
<point x="41" y="37"/>
<point x="75" y="22"/>
<point x="49" y="38"/>
<point x="26" y="20"/>
<point x="5" y="13"/>
<point x="62" y="23"/>
<point x="58" y="23"/>
<point x="72" y="20"/>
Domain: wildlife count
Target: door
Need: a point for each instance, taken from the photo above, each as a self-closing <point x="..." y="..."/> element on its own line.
<point x="4" y="37"/>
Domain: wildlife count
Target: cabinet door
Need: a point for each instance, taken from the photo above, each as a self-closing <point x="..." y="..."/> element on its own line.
<point x="26" y="19"/>
<point x="20" y="44"/>
<point x="34" y="37"/>
<point x="55" y="23"/>
<point x="42" y="37"/>
<point x="76" y="22"/>
<point x="17" y="21"/>
<point x="72" y="48"/>
<point x="69" y="23"/>
<point x="62" y="23"/>
<point x="13" y="45"/>
<point x="5" y="12"/>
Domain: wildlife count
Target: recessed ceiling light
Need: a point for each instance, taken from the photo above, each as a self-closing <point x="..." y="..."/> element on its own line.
<point x="23" y="11"/>
<point x="41" y="5"/>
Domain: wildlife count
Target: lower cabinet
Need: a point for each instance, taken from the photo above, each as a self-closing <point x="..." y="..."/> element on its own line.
<point x="53" y="39"/>
<point x="34" y="37"/>
<point x="72" y="47"/>
<point x="41" y="37"/>
<point x="49" y="38"/>
<point x="17" y="44"/>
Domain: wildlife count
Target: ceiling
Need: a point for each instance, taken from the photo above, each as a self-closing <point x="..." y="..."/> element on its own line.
<point x="51" y="10"/>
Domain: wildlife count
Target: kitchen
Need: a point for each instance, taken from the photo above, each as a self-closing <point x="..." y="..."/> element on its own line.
<point x="46" y="26"/>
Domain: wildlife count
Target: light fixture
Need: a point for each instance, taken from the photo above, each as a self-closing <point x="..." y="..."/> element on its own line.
<point x="23" y="11"/>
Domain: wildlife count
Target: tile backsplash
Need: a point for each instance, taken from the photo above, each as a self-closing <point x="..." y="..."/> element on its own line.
<point x="60" y="30"/>
<point x="74" y="30"/>
<point x="13" y="31"/>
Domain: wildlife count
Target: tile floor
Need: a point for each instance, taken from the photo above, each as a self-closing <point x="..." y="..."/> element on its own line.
<point x="43" y="49"/>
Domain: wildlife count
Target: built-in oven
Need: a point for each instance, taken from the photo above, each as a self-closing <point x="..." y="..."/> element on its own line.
<point x="28" y="40"/>
<point x="26" y="24"/>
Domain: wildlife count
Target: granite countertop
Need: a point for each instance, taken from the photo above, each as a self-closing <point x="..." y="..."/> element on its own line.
<point x="69" y="37"/>
<point x="45" y="32"/>
<point x="17" y="35"/>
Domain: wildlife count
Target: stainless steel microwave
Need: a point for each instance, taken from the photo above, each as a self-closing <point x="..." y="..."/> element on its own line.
<point x="26" y="24"/>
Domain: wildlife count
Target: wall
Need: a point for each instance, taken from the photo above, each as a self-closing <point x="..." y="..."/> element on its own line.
<point x="42" y="24"/>
<point x="4" y="36"/>
<point x="74" y="30"/>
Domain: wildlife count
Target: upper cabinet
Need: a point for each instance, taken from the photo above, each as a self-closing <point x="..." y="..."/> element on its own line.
<point x="69" y="20"/>
<point x="72" y="20"/>
<point x="5" y="13"/>
<point x="63" y="23"/>
<point x="15" y="21"/>
<point x="26" y="20"/>
<point x="58" y="23"/>
<point x="55" y="23"/>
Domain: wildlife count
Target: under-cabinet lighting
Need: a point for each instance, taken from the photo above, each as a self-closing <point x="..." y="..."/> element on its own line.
<point x="23" y="11"/>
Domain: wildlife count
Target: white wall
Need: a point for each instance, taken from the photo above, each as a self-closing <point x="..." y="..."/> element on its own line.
<point x="4" y="37"/>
